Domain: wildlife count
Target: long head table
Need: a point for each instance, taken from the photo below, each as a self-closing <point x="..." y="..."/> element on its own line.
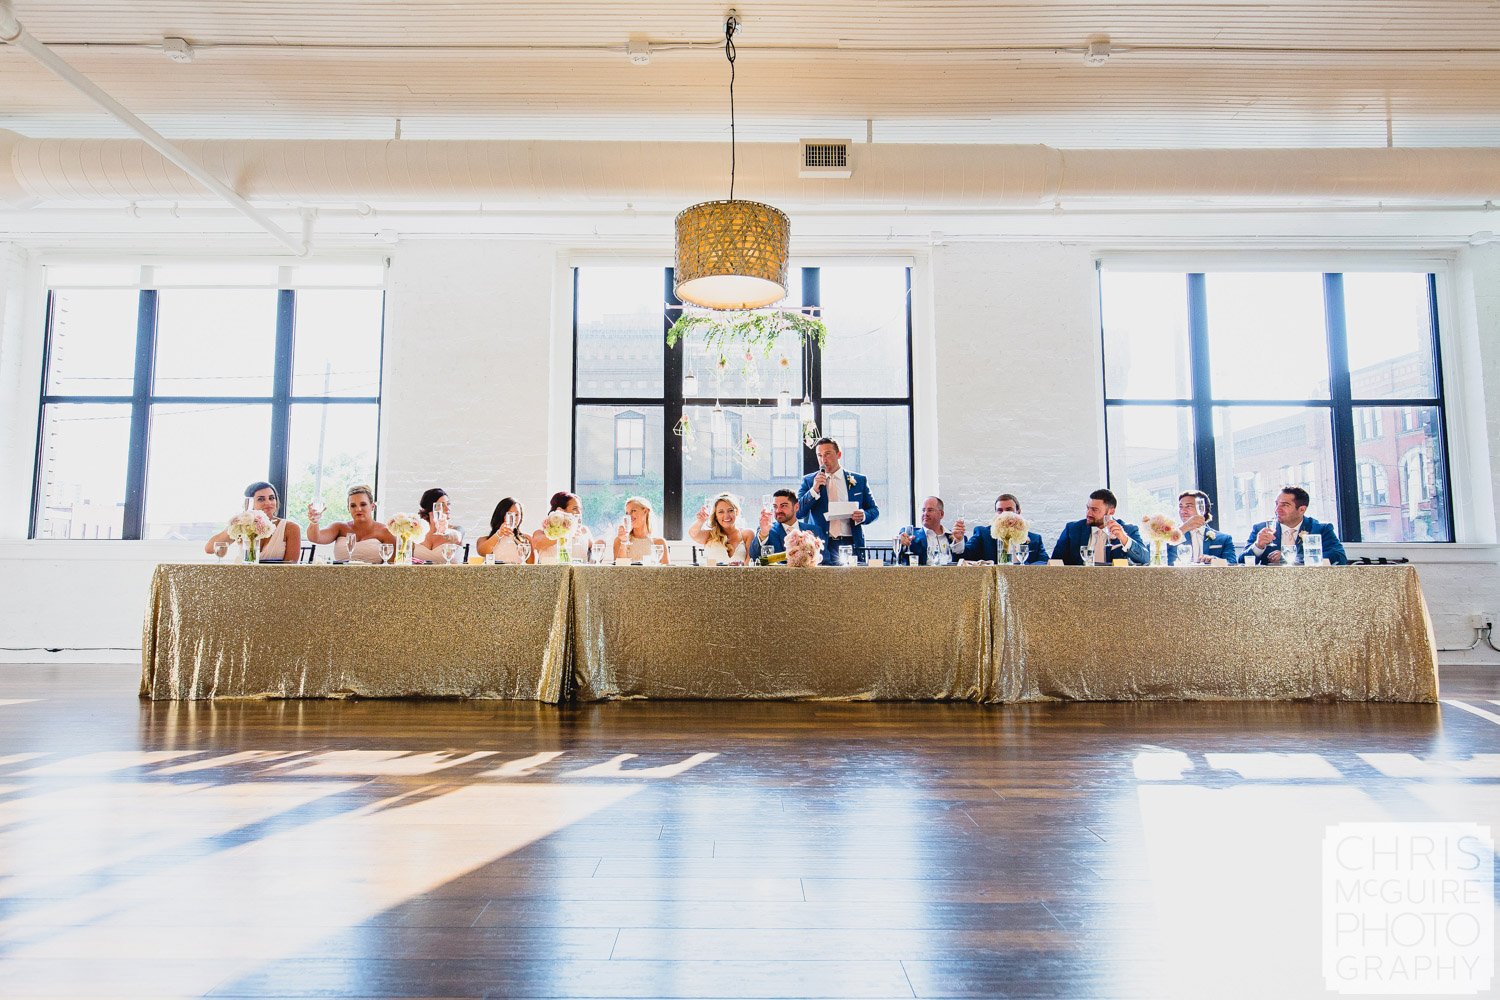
<point x="966" y="633"/>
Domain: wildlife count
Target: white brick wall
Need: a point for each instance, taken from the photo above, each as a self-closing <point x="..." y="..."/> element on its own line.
<point x="466" y="385"/>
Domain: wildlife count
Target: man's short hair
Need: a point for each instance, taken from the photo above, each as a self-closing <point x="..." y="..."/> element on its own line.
<point x="1012" y="498"/>
<point x="786" y="493"/>
<point x="934" y="496"/>
<point x="1208" y="505"/>
<point x="823" y="441"/>
<point x="1106" y="496"/>
<point x="1300" y="497"/>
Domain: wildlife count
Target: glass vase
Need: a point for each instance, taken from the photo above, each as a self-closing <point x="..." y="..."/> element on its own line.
<point x="252" y="550"/>
<point x="1006" y="556"/>
<point x="403" y="551"/>
<point x="564" y="550"/>
<point x="1158" y="553"/>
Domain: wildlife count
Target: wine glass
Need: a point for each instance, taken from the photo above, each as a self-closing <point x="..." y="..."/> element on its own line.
<point x="221" y="549"/>
<point x="317" y="507"/>
<point x="446" y="550"/>
<point x="596" y="551"/>
<point x="1086" y="554"/>
<point x="660" y="552"/>
<point x="1020" y="553"/>
<point x="512" y="519"/>
<point x="386" y="551"/>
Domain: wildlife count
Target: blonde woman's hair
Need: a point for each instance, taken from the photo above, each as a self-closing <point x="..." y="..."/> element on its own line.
<point x="650" y="515"/>
<point x="715" y="532"/>
<point x="355" y="491"/>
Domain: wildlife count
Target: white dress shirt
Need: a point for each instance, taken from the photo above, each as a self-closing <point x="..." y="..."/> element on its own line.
<point x="838" y="489"/>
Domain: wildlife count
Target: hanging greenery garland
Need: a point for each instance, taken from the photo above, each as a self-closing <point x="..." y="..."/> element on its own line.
<point x="726" y="332"/>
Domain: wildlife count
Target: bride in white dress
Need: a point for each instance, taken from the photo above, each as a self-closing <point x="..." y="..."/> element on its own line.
<point x="636" y="543"/>
<point x="717" y="529"/>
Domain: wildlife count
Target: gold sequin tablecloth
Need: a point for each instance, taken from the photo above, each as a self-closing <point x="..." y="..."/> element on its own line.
<point x="1347" y="633"/>
<point x="297" y="631"/>
<point x="846" y="633"/>
<point x="963" y="633"/>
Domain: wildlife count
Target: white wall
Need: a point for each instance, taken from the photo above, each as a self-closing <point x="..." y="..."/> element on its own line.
<point x="476" y="374"/>
<point x="465" y="387"/>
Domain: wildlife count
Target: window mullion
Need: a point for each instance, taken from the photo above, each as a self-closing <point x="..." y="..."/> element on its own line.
<point x="1205" y="461"/>
<point x="1345" y="460"/>
<point x="281" y="391"/>
<point x="140" y="416"/>
<point x="671" y="410"/>
<point x="812" y="367"/>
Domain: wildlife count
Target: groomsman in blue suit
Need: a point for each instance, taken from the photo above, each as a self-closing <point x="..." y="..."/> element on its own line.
<point x="1197" y="511"/>
<point x="921" y="541"/>
<point x="1108" y="538"/>
<point x="833" y="482"/>
<point x="1269" y="540"/>
<point x="774" y="524"/>
<point x="983" y="547"/>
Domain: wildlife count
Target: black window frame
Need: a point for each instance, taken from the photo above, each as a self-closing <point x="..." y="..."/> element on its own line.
<point x="672" y="401"/>
<point x="638" y="455"/>
<point x="1340" y="404"/>
<point x="143" y="398"/>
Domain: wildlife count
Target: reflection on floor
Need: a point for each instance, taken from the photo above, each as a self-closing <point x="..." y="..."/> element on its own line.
<point x="363" y="849"/>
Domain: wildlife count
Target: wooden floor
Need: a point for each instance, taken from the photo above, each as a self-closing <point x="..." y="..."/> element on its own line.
<point x="439" y="849"/>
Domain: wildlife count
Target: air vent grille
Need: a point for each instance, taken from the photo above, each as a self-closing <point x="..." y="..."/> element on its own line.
<point x="825" y="154"/>
<point x="826" y="158"/>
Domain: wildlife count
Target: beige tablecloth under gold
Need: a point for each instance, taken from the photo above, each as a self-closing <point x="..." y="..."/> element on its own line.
<point x="296" y="631"/>
<point x="968" y="633"/>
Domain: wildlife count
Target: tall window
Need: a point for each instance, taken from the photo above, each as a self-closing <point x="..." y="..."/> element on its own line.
<point x="1242" y="383"/>
<point x="713" y="423"/>
<point x="168" y="389"/>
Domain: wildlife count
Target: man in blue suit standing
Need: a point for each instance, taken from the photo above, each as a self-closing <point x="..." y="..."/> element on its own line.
<point x="922" y="541"/>
<point x="834" y="483"/>
<point x="1107" y="538"/>
<point x="1207" y="544"/>
<point x="983" y="548"/>
<point x="1271" y="540"/>
<point x="770" y="536"/>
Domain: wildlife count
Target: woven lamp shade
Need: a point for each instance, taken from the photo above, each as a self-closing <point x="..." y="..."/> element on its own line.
<point x="731" y="254"/>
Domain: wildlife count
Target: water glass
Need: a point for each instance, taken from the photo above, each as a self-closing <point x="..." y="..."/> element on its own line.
<point x="844" y="556"/>
<point x="1086" y="554"/>
<point x="1312" y="550"/>
<point x="221" y="549"/>
<point x="446" y="551"/>
<point x="596" y="551"/>
<point x="660" y="552"/>
<point x="1020" y="553"/>
<point x="1184" y="555"/>
<point x="512" y="519"/>
<point x="386" y="551"/>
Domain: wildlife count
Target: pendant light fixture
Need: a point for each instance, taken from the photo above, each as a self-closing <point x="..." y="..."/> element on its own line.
<point x="731" y="254"/>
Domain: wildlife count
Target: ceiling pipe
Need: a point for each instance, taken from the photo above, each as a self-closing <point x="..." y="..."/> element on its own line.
<point x="12" y="32"/>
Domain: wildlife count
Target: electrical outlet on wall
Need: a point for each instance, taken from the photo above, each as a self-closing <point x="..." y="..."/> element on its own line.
<point x="1481" y="619"/>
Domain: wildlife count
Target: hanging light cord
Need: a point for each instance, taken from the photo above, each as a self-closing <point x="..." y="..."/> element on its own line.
<point x="731" y="24"/>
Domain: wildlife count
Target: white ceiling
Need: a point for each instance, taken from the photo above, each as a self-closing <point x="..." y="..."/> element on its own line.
<point x="1274" y="73"/>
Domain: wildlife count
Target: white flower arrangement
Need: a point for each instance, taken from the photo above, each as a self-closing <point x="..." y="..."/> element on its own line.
<point x="407" y="527"/>
<point x="1161" y="528"/>
<point x="803" y="548"/>
<point x="559" y="525"/>
<point x="252" y="525"/>
<point x="1009" y="528"/>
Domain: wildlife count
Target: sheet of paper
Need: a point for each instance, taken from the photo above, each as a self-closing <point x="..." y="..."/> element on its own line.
<point x="841" y="508"/>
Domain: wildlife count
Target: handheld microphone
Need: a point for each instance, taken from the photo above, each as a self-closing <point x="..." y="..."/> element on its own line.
<point x="816" y="490"/>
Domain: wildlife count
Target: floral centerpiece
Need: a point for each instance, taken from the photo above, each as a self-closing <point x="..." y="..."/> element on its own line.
<point x="248" y="529"/>
<point x="407" y="528"/>
<point x="803" y="548"/>
<point x="1009" y="529"/>
<point x="1161" y="531"/>
<point x="559" y="526"/>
